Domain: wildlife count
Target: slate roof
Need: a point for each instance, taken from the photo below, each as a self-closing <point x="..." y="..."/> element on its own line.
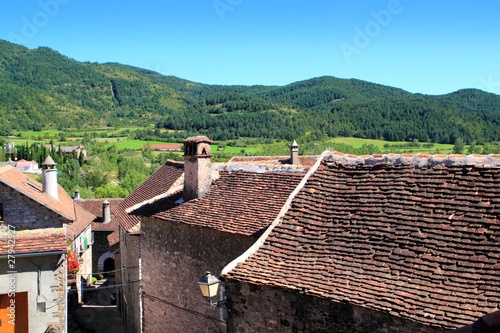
<point x="34" y="241"/>
<point x="77" y="217"/>
<point x="239" y="202"/>
<point x="154" y="188"/>
<point x="94" y="206"/>
<point x="413" y="235"/>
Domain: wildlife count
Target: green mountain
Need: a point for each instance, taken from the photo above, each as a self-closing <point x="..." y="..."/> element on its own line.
<point x="42" y="89"/>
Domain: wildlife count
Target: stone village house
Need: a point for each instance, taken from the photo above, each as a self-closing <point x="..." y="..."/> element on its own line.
<point x="104" y="229"/>
<point x="161" y="183"/>
<point x="387" y="243"/>
<point x="356" y="244"/>
<point x="45" y="219"/>
<point x="220" y="213"/>
<point x="208" y="194"/>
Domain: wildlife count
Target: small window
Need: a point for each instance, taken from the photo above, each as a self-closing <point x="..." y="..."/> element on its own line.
<point x="1" y="211"/>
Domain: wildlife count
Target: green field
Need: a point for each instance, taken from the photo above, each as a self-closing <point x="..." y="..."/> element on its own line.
<point x="277" y="148"/>
<point x="396" y="146"/>
<point x="110" y="131"/>
<point x="236" y="150"/>
<point x="130" y="144"/>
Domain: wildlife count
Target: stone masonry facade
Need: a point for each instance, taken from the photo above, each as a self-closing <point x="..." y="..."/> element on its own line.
<point x="24" y="213"/>
<point x="100" y="247"/>
<point x="287" y="311"/>
<point x="130" y="290"/>
<point x="59" y="289"/>
<point x="174" y="259"/>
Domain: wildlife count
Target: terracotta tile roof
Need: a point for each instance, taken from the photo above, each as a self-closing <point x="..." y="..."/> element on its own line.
<point x="153" y="188"/>
<point x="238" y="202"/>
<point x="305" y="160"/>
<point x="261" y="167"/>
<point x="83" y="220"/>
<point x="77" y="217"/>
<point x="113" y="238"/>
<point x="24" y="163"/>
<point x="34" y="241"/>
<point x="414" y="235"/>
<point x="31" y="188"/>
<point x="94" y="206"/>
<point x="158" y="206"/>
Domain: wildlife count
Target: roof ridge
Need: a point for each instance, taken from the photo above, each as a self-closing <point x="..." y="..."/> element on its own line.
<point x="5" y="168"/>
<point x="260" y="167"/>
<point x="174" y="163"/>
<point x="418" y="159"/>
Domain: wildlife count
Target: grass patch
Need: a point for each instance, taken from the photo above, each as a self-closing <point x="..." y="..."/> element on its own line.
<point x="235" y="150"/>
<point x="397" y="146"/>
<point x="132" y="144"/>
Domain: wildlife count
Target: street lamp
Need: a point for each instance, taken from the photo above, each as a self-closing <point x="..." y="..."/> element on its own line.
<point x="209" y="285"/>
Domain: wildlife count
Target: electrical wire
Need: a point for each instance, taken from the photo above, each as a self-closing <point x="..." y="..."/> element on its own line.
<point x="56" y="304"/>
<point x="214" y="320"/>
<point x="108" y="287"/>
<point x="106" y="272"/>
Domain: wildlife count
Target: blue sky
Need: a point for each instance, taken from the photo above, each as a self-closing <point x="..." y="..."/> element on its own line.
<point x="424" y="46"/>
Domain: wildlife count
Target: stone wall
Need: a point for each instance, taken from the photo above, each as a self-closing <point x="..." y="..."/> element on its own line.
<point x="175" y="256"/>
<point x="269" y="309"/>
<point x="130" y="249"/>
<point x="25" y="213"/>
<point x="118" y="281"/>
<point x="58" y="289"/>
<point x="100" y="247"/>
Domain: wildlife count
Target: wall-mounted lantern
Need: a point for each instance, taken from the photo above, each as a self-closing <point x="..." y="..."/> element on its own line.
<point x="209" y="286"/>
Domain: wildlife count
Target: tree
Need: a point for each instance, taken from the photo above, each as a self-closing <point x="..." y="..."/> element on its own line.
<point x="459" y="146"/>
<point x="473" y="148"/>
<point x="111" y="191"/>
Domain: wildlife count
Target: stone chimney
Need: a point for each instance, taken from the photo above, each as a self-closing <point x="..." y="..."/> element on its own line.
<point x="294" y="153"/>
<point x="106" y="212"/>
<point x="197" y="167"/>
<point x="49" y="178"/>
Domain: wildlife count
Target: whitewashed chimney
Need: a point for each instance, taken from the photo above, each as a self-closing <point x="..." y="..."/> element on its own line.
<point x="49" y="178"/>
<point x="197" y="167"/>
<point x="106" y="212"/>
<point x="77" y="195"/>
<point x="294" y="153"/>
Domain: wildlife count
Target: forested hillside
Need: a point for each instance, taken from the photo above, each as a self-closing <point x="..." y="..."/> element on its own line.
<point x="42" y="89"/>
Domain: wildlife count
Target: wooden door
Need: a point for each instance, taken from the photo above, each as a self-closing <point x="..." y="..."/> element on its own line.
<point x="21" y="313"/>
